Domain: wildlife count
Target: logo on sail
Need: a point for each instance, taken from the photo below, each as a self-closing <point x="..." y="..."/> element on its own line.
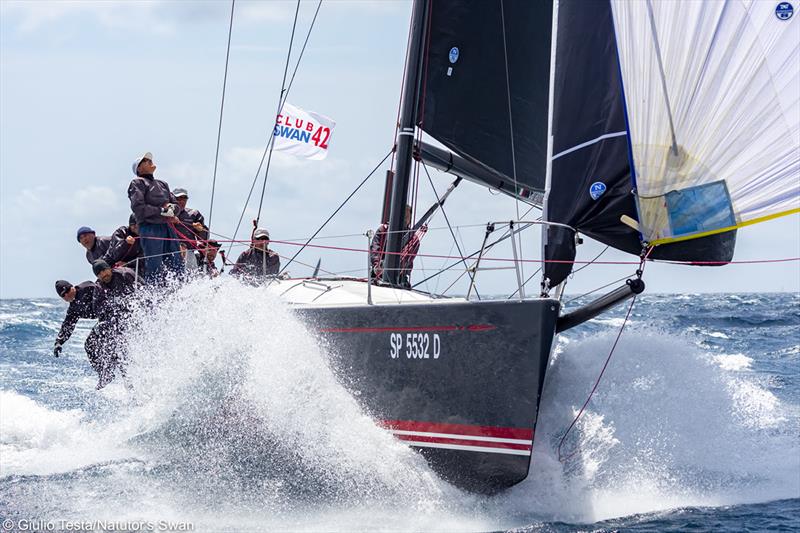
<point x="597" y="189"/>
<point x="784" y="11"/>
<point x="454" y="54"/>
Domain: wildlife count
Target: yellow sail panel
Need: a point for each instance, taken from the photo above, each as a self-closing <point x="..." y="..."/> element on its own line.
<point x="712" y="91"/>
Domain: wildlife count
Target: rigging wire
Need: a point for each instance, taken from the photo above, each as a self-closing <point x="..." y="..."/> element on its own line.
<point x="596" y="384"/>
<point x="221" y="109"/>
<point x="597" y="289"/>
<point x="573" y="273"/>
<point x="277" y="112"/>
<point x="639" y="272"/>
<point x="604" y="250"/>
<point x="271" y="138"/>
<point x="303" y="247"/>
<point x="447" y="220"/>
<point x="476" y="252"/>
<point x="511" y="124"/>
<point x="525" y="283"/>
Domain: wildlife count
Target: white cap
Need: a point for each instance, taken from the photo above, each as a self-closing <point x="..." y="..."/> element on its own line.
<point x="261" y="232"/>
<point x="135" y="167"/>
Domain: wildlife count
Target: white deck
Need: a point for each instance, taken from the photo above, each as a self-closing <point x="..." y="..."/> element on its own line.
<point x="346" y="292"/>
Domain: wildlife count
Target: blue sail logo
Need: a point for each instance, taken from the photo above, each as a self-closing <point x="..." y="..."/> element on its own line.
<point x="784" y="11"/>
<point x="454" y="54"/>
<point x="597" y="189"/>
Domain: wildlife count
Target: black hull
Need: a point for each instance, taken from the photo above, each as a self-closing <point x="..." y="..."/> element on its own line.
<point x="461" y="382"/>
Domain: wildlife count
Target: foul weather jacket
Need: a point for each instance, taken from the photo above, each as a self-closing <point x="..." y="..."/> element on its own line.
<point x="148" y="196"/>
<point x="111" y="300"/>
<point x="80" y="307"/>
<point x="99" y="249"/>
<point x="188" y="217"/>
<point x="119" y="251"/>
<point x="256" y="263"/>
<point x="377" y="248"/>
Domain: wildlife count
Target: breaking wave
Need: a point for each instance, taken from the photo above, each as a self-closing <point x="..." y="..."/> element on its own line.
<point x="236" y="421"/>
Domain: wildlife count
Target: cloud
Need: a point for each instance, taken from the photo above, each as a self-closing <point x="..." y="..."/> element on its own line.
<point x="154" y="16"/>
<point x="89" y="202"/>
<point x="165" y="16"/>
<point x="113" y="14"/>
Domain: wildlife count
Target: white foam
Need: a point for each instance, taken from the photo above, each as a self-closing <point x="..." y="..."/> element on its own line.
<point x="237" y="409"/>
<point x="733" y="362"/>
<point x="37" y="440"/>
<point x="668" y="427"/>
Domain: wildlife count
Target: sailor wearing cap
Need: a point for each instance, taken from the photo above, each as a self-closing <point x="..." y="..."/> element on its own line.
<point x="95" y="246"/>
<point x="191" y="219"/>
<point x="79" y="297"/>
<point x="155" y="208"/>
<point x="205" y="259"/>
<point x="258" y="261"/>
<point x="105" y="345"/>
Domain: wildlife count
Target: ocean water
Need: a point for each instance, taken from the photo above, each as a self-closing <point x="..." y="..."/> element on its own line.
<point x="236" y="423"/>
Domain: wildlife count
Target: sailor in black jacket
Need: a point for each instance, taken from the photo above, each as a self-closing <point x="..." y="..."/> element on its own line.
<point x="95" y="246"/>
<point x="124" y="249"/>
<point x="115" y="287"/>
<point x="155" y="209"/>
<point x="192" y="221"/>
<point x="111" y="303"/>
<point x="80" y="298"/>
<point x="257" y="261"/>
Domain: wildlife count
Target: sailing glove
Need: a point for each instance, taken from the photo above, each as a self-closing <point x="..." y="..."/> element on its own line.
<point x="57" y="349"/>
<point x="169" y="210"/>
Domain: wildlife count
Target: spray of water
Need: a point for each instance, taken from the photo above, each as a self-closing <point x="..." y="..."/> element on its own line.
<point x="236" y="420"/>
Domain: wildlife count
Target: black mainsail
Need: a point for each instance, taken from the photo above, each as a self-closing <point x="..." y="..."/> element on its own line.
<point x="484" y="93"/>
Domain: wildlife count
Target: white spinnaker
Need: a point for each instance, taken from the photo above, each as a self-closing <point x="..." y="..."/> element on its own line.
<point x="731" y="70"/>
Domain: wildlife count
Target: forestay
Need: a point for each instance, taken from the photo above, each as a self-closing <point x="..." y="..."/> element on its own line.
<point x="713" y="100"/>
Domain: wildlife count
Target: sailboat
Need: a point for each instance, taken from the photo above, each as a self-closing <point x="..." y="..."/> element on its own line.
<point x="657" y="128"/>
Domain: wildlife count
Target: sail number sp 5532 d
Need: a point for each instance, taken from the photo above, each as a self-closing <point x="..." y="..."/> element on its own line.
<point x="415" y="345"/>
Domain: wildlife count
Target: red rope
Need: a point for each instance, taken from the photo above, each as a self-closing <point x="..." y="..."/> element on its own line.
<point x="639" y="272"/>
<point x="596" y="384"/>
<point x="511" y="260"/>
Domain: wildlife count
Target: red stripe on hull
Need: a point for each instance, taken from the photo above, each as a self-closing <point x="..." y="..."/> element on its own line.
<point x="465" y="442"/>
<point x="471" y="327"/>
<point x="460" y="429"/>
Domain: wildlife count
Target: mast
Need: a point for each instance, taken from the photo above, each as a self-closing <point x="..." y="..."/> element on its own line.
<point x="549" y="168"/>
<point x="405" y="142"/>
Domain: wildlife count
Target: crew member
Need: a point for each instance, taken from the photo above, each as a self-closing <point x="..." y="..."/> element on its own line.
<point x="192" y="221"/>
<point x="105" y="345"/>
<point x="205" y="259"/>
<point x="408" y="249"/>
<point x="155" y="209"/>
<point x="124" y="249"/>
<point x="258" y="261"/>
<point x="95" y="246"/>
<point x="80" y="298"/>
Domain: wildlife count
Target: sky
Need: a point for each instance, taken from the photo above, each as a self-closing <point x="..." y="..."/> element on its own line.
<point x="87" y="87"/>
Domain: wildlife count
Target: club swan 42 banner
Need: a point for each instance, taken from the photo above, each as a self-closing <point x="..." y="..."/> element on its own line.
<point x="304" y="134"/>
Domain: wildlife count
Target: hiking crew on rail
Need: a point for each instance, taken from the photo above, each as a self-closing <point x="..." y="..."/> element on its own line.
<point x="164" y="238"/>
